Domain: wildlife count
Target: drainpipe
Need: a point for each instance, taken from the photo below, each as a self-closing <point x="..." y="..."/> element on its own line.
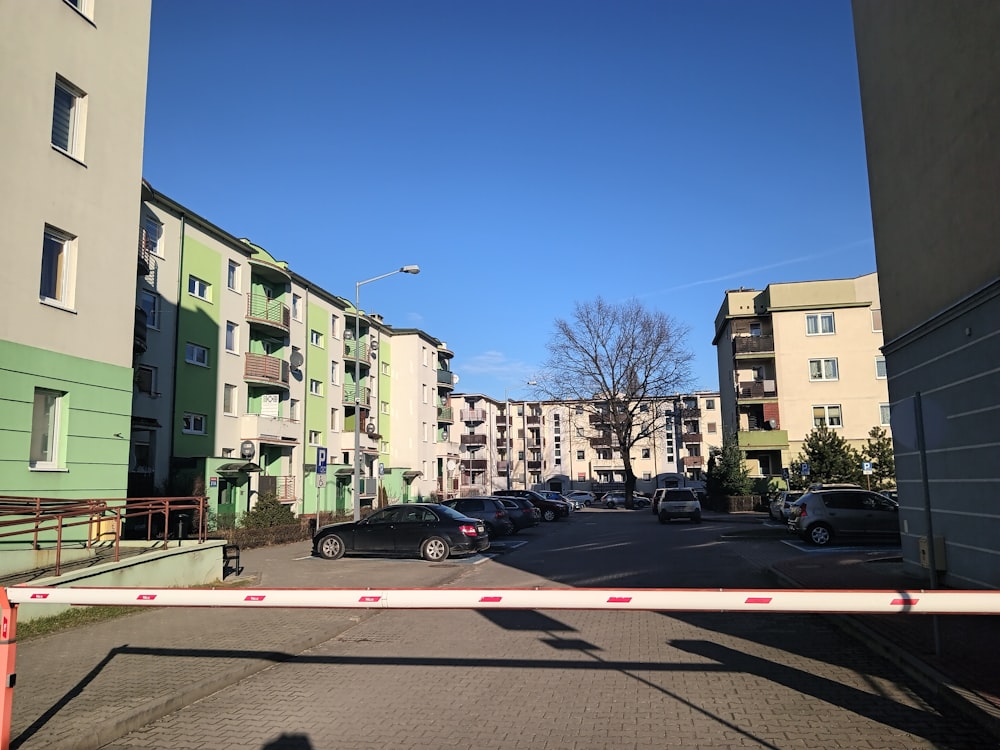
<point x="177" y="336"/>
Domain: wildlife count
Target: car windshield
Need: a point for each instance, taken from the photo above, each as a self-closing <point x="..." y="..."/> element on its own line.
<point x="444" y="510"/>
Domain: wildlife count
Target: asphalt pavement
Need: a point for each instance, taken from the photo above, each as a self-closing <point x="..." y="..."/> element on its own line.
<point x="87" y="687"/>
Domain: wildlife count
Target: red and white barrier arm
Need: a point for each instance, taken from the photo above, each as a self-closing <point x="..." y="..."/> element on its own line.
<point x="657" y="600"/>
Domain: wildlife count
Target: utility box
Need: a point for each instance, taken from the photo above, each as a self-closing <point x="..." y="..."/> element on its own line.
<point x="939" y="553"/>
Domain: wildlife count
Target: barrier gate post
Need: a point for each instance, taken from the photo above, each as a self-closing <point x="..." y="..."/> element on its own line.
<point x="8" y="647"/>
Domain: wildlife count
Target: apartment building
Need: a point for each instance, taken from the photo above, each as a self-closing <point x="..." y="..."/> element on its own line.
<point x="73" y="75"/>
<point x="796" y="356"/>
<point x="564" y="445"/>
<point x="929" y="78"/>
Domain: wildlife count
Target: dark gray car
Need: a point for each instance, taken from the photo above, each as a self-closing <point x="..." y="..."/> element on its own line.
<point x="521" y="512"/>
<point x="820" y="515"/>
<point x="490" y="510"/>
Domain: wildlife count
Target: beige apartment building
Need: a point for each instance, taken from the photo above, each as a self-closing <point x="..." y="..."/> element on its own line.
<point x="564" y="445"/>
<point x="796" y="356"/>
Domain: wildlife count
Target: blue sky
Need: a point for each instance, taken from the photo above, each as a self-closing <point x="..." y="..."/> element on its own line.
<point x="526" y="154"/>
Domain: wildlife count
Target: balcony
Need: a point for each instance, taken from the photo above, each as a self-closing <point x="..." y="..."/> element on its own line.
<point x="691" y="437"/>
<point x="689" y="413"/>
<point x="601" y="440"/>
<point x="269" y="271"/>
<point x="599" y="419"/>
<point x="268" y="313"/>
<point x="763" y="439"/>
<point x="472" y="442"/>
<point x="757" y="389"/>
<point x="365" y="400"/>
<point x="753" y="345"/>
<point x="263" y="369"/>
<point x="473" y="464"/>
<point x="473" y="415"/>
<point x="533" y="419"/>
<point x="282" y="487"/>
<point x="693" y="462"/>
<point x="446" y="378"/>
<point x="143" y="266"/>
<point x="536" y="465"/>
<point x="445" y="415"/>
<point x="257" y="426"/>
<point x="503" y="467"/>
<point x="352" y="345"/>
<point x="502" y="443"/>
<point x="140" y="331"/>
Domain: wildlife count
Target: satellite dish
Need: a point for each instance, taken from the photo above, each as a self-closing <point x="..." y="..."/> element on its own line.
<point x="247" y="450"/>
<point x="374" y="344"/>
<point x="370" y="428"/>
<point x="296" y="360"/>
<point x="452" y="465"/>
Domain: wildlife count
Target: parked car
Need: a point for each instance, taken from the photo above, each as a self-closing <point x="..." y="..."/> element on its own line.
<point x="584" y="497"/>
<point x="430" y="530"/>
<point x="521" y="512"/>
<point x="553" y="495"/>
<point x="780" y="507"/>
<point x="550" y="509"/>
<point x="490" y="510"/>
<point x="679" y="502"/>
<point x="823" y="514"/>
<point x="616" y="499"/>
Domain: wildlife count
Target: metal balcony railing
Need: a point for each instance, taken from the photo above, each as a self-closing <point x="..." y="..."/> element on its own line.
<point x="265" y="368"/>
<point x="270" y="312"/>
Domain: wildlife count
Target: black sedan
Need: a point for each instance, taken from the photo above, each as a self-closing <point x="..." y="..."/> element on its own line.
<point x="430" y="530"/>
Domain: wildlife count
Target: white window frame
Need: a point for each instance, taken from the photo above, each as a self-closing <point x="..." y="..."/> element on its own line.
<point x="293" y="409"/>
<point x="199" y="288"/>
<point x="297" y="307"/>
<point x="824" y="368"/>
<point x="73" y="118"/>
<point x="385" y="369"/>
<point x="383" y="407"/>
<point x="817" y="321"/>
<point x="334" y="419"/>
<point x="232" y="337"/>
<point x="196" y="354"/>
<point x="315" y="338"/>
<point x="152" y="309"/>
<point x="315" y="437"/>
<point x="880" y="372"/>
<point x="885" y="415"/>
<point x="56" y="285"/>
<point x="233" y="276"/>
<point x="335" y="326"/>
<point x="876" y="319"/>
<point x="230" y="393"/>
<point x="826" y="416"/>
<point x="46" y="428"/>
<point x="154" y="230"/>
<point x="335" y="372"/>
<point x="315" y="387"/>
<point x="193" y="423"/>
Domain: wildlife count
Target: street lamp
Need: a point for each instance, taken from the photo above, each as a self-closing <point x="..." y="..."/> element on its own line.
<point x="357" y="380"/>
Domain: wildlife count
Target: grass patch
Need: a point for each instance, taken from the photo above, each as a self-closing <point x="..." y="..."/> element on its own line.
<point x="79" y="616"/>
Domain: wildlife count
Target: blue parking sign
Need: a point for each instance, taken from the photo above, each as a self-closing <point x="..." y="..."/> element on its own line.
<point x="804" y="469"/>
<point x="320" y="460"/>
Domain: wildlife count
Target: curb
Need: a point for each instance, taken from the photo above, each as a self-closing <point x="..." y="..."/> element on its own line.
<point x="965" y="701"/>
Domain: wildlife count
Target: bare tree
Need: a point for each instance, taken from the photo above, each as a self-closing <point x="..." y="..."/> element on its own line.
<point x="620" y="362"/>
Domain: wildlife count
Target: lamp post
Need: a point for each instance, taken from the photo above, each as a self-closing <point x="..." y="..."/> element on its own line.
<point x="357" y="380"/>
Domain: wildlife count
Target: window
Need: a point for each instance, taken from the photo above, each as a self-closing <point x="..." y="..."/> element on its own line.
<point x="385" y="368"/>
<point x="229" y="399"/>
<point x="334" y="372"/>
<point x="150" y="302"/>
<point x="755" y="329"/>
<point x="818" y="324"/>
<point x="823" y="369"/>
<point x="69" y="111"/>
<point x="883" y="414"/>
<point x="827" y="416"/>
<point x="334" y="419"/>
<point x="83" y="6"/>
<point x="315" y="338"/>
<point x="198" y="288"/>
<point x="383" y="406"/>
<point x="424" y="391"/>
<point x="45" y="429"/>
<point x="58" y="269"/>
<point x="193" y="424"/>
<point x="423" y="426"/>
<point x="645" y="452"/>
<point x="152" y="231"/>
<point x="710" y="427"/>
<point x="876" y="320"/>
<point x="314" y="437"/>
<point x="232" y="336"/>
<point x="293" y="410"/>
<point x="423" y="356"/>
<point x="579" y="455"/>
<point x="880" y="367"/>
<point x="145" y="380"/>
<point x="315" y="388"/>
<point x="757" y="372"/>
<point x="646" y="476"/>
<point x="233" y="276"/>
<point x="335" y="326"/>
<point x="297" y="308"/>
<point x="196" y="354"/>
<point x="710" y="404"/>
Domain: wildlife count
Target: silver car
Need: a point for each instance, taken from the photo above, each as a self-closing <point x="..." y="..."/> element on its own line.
<point x="822" y="514"/>
<point x="680" y="502"/>
<point x="780" y="508"/>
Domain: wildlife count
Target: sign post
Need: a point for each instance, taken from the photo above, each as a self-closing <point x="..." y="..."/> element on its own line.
<point x="866" y="469"/>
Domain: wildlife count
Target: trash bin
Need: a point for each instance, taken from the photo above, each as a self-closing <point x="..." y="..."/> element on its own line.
<point x="312" y="526"/>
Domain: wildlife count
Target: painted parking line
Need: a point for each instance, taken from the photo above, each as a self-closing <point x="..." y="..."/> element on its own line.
<point x="806" y="547"/>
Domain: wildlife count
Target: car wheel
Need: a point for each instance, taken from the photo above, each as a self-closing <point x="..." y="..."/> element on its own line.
<point x="330" y="547"/>
<point x="696" y="518"/>
<point x="820" y="534"/>
<point x="548" y="515"/>
<point x="664" y="518"/>
<point x="435" y="549"/>
<point x="610" y="506"/>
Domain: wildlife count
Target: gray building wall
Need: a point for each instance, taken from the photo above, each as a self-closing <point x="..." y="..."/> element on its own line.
<point x="929" y="72"/>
